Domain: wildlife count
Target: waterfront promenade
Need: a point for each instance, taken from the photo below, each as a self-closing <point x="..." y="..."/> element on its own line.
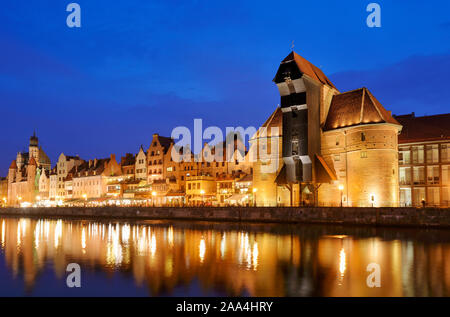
<point x="412" y="217"/>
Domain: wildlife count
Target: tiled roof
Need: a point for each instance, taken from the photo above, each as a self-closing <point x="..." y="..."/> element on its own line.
<point x="97" y="167"/>
<point x="165" y="142"/>
<point x="308" y="68"/>
<point x="247" y="178"/>
<point x="13" y="165"/>
<point x="128" y="159"/>
<point x="426" y="128"/>
<point x="274" y="121"/>
<point x="354" y="108"/>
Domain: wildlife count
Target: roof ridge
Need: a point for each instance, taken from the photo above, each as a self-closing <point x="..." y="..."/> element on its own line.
<point x="361" y="113"/>
<point x="353" y="90"/>
<point x="375" y="105"/>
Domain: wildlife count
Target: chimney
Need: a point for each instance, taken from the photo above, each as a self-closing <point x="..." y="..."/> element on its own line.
<point x="90" y="163"/>
<point x="113" y="157"/>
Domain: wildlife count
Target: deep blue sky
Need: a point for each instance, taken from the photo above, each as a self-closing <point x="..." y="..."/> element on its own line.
<point x="139" y="67"/>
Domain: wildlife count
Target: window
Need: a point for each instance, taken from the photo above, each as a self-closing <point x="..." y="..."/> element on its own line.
<point x="405" y="175"/>
<point x="445" y="152"/>
<point x="417" y="154"/>
<point x="419" y="175"/>
<point x="418" y="195"/>
<point x="363" y="154"/>
<point x="445" y="201"/>
<point x="404" y="156"/>
<point x="337" y="140"/>
<point x="433" y="196"/>
<point x="433" y="153"/>
<point x="363" y="136"/>
<point x="337" y="158"/>
<point x="445" y="175"/>
<point x="433" y="174"/>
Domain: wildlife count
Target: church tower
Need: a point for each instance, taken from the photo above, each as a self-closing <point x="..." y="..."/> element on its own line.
<point x="33" y="149"/>
<point x="31" y="178"/>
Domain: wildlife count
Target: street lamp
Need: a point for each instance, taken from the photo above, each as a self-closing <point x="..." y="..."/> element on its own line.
<point x="254" y="196"/>
<point x="202" y="192"/>
<point x="372" y="198"/>
<point x="153" y="197"/>
<point x="85" y="199"/>
<point x="341" y="189"/>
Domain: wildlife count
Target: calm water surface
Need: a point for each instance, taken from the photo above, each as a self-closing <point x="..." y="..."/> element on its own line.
<point x="166" y="258"/>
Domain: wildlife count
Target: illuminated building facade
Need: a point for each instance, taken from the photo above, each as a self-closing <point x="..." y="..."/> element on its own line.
<point x="424" y="160"/>
<point x="24" y="172"/>
<point x="337" y="148"/>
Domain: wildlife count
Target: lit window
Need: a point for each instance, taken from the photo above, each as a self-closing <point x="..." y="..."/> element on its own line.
<point x="363" y="154"/>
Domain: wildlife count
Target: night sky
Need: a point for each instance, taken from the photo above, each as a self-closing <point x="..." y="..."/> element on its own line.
<point x="139" y="67"/>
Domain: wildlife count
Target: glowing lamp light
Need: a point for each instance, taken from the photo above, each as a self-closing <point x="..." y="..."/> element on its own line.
<point x="372" y="199"/>
<point x="341" y="187"/>
<point x="84" y="196"/>
<point x="153" y="193"/>
<point x="255" y="190"/>
<point x="202" y="192"/>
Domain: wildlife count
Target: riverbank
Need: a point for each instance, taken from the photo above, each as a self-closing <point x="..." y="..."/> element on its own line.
<point x="412" y="217"/>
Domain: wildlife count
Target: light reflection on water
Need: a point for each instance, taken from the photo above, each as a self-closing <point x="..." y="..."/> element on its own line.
<point x="255" y="260"/>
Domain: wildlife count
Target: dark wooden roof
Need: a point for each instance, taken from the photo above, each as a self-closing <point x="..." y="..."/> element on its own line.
<point x="426" y="128"/>
<point x="305" y="67"/>
<point x="354" y="108"/>
<point x="165" y="142"/>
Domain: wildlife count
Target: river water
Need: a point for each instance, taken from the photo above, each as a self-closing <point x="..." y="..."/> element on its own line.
<point x="169" y="258"/>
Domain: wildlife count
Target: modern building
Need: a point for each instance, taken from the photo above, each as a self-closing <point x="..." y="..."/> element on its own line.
<point x="424" y="160"/>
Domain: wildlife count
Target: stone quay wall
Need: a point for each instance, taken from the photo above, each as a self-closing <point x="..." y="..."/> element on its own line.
<point x="415" y="217"/>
